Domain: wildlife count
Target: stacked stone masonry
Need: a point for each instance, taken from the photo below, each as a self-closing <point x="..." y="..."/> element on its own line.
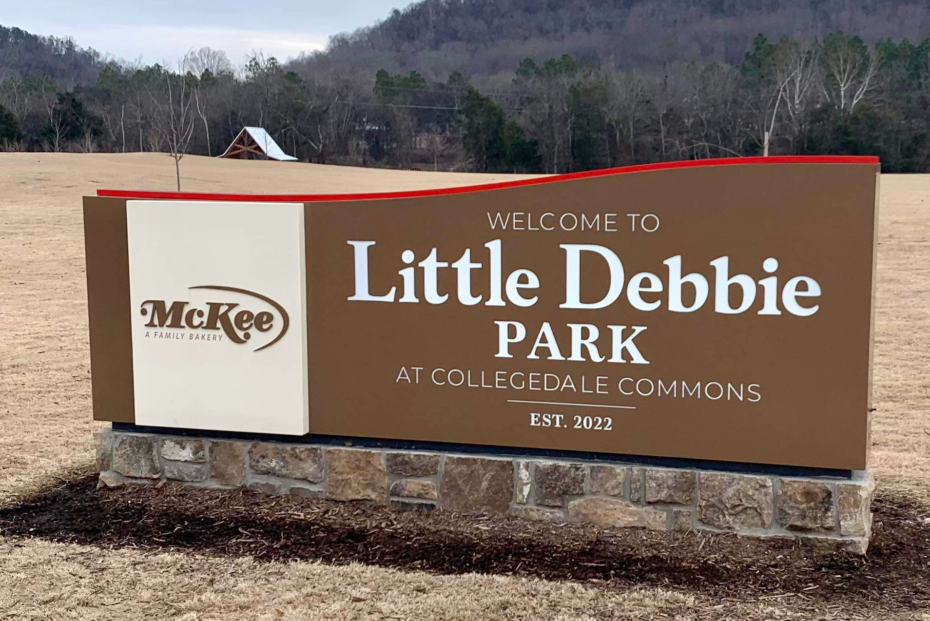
<point x="817" y="510"/>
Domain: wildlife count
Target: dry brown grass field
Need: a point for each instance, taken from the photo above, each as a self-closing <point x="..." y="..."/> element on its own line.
<point x="46" y="428"/>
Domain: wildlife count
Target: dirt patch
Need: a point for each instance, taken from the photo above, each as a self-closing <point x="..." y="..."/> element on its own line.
<point x="894" y="576"/>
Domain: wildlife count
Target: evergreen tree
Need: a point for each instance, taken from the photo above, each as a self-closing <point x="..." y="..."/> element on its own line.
<point x="69" y="120"/>
<point x="494" y="143"/>
<point x="9" y="128"/>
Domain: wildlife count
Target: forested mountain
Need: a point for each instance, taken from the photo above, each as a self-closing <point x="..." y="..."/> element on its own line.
<point x="24" y="54"/>
<point x="513" y="86"/>
<point x="484" y="37"/>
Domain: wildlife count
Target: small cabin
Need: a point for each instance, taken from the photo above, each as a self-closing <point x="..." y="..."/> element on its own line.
<point x="254" y="143"/>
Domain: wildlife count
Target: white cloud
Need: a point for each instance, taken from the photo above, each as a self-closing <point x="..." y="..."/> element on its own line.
<point x="167" y="44"/>
<point x="163" y="30"/>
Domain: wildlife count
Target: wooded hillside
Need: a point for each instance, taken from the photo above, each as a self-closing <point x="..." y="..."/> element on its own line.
<point x="842" y="92"/>
<point x="26" y="54"/>
<point x="487" y="37"/>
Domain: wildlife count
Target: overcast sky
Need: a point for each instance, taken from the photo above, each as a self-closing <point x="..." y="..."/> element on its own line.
<point x="163" y="30"/>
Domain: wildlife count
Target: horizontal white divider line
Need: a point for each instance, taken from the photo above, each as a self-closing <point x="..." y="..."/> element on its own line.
<point x="581" y="405"/>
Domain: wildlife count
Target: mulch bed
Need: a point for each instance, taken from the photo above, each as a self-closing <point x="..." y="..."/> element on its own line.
<point x="894" y="576"/>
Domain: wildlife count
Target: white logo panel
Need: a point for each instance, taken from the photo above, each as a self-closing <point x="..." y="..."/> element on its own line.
<point x="219" y="334"/>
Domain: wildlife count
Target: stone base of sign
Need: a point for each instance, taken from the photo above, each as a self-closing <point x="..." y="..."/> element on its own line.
<point x="823" y="511"/>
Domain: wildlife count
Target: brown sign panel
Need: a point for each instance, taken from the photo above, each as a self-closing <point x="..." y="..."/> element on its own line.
<point x="109" y="312"/>
<point x="718" y="313"/>
<point x="690" y="311"/>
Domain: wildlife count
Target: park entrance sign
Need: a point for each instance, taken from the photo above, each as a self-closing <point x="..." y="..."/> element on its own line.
<point x="717" y="311"/>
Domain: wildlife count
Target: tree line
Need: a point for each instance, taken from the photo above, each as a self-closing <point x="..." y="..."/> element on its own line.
<point x="835" y="95"/>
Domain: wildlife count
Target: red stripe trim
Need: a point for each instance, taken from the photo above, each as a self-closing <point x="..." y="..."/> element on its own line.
<point x="306" y="198"/>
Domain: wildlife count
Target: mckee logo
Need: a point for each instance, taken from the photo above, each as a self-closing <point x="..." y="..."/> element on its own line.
<point x="234" y="320"/>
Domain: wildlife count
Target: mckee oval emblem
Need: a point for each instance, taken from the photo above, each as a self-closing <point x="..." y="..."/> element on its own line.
<point x="236" y="320"/>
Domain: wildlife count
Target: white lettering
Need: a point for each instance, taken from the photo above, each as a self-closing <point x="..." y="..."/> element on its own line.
<point x="573" y="275"/>
<point x="504" y="339"/>
<point x="361" y="275"/>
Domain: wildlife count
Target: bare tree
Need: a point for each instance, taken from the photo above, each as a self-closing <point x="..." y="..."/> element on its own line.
<point x="141" y="117"/>
<point x="200" y="101"/>
<point x="206" y="64"/>
<point x="548" y="113"/>
<point x="174" y="115"/>
<point x="302" y="110"/>
<point x="720" y="119"/>
<point x="437" y="144"/>
<point x="663" y="98"/>
<point x="764" y="104"/>
<point x="87" y="144"/>
<point x="56" y="127"/>
<point x="625" y="97"/>
<point x="777" y="95"/>
<point x="798" y="68"/>
<point x="849" y="67"/>
<point x="122" y="126"/>
<point x="15" y="97"/>
<point x="207" y="59"/>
